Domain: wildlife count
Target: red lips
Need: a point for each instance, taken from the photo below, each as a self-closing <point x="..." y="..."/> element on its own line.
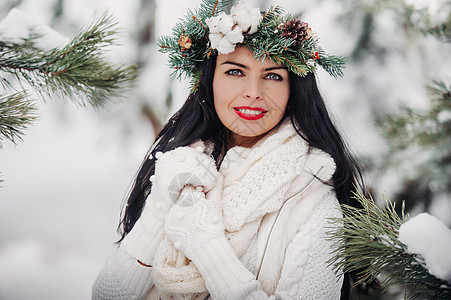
<point x="250" y="113"/>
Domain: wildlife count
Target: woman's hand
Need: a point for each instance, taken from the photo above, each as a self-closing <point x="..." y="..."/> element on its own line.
<point x="195" y="218"/>
<point x="184" y="166"/>
<point x="194" y="225"/>
<point x="173" y="170"/>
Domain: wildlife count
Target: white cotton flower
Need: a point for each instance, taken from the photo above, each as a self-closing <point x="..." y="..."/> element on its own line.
<point x="227" y="30"/>
<point x="246" y="16"/>
<point x="225" y="43"/>
<point x="213" y="24"/>
<point x="235" y="36"/>
<point x="224" y="33"/>
<point x="222" y="23"/>
<point x="225" y="23"/>
<point x="214" y="39"/>
<point x="225" y="46"/>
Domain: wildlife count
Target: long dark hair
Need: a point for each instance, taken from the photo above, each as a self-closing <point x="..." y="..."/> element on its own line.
<point x="197" y="119"/>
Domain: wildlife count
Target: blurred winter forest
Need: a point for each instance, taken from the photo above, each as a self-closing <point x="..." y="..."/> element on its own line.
<point x="63" y="184"/>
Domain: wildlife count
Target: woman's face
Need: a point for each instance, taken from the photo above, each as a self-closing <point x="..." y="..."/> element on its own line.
<point x="250" y="97"/>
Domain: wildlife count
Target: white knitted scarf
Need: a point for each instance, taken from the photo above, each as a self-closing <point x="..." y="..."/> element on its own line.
<point x="256" y="181"/>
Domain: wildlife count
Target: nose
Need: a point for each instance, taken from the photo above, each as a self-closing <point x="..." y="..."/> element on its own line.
<point x="253" y="90"/>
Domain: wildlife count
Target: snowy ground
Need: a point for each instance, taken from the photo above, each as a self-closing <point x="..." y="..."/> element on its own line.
<point x="64" y="184"/>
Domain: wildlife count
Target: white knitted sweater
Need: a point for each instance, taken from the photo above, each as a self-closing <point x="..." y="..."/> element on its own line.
<point x="305" y="274"/>
<point x="297" y="252"/>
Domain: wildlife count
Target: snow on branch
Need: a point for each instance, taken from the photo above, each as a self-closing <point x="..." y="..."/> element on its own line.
<point x="368" y="240"/>
<point x="77" y="70"/>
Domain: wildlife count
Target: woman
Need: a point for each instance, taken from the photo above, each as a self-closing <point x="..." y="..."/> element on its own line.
<point x="233" y="199"/>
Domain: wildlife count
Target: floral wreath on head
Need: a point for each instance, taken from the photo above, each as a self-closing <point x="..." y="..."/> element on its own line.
<point x="213" y="29"/>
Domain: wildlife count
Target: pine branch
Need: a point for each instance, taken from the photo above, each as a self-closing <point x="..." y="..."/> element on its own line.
<point x="193" y="26"/>
<point x="16" y="113"/>
<point x="440" y="91"/>
<point x="428" y="128"/>
<point x="332" y="64"/>
<point x="367" y="239"/>
<point x="408" y="126"/>
<point x="427" y="133"/>
<point x="441" y="32"/>
<point x="298" y="55"/>
<point x="77" y="71"/>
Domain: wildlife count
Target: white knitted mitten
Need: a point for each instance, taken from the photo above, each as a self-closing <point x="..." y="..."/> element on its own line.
<point x="173" y="170"/>
<point x="194" y="225"/>
<point x="185" y="166"/>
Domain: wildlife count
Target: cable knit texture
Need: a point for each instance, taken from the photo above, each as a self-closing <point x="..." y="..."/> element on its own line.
<point x="308" y="273"/>
<point x="122" y="278"/>
<point x="256" y="182"/>
<point x="305" y="274"/>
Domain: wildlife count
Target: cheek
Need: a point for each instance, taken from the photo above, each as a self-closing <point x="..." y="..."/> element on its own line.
<point x="222" y="93"/>
<point x="286" y="93"/>
<point x="281" y="95"/>
<point x="220" y="99"/>
<point x="216" y="94"/>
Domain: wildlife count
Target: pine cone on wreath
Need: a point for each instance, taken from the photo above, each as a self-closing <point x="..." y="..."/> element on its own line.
<point x="185" y="42"/>
<point x="296" y="29"/>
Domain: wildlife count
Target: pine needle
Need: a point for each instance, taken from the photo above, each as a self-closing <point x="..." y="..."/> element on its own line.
<point x="368" y="239"/>
<point x="77" y="71"/>
<point x="16" y="113"/>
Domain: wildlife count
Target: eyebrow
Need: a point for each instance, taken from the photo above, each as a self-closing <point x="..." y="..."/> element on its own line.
<point x="245" y="67"/>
